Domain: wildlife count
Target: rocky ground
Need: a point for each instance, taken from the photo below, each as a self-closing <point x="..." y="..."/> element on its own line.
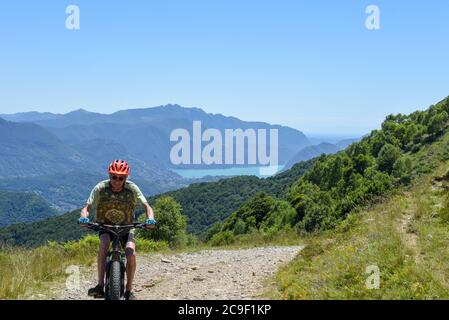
<point x="207" y="274"/>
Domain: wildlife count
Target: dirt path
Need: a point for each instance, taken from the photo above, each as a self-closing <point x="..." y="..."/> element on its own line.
<point x="405" y="222"/>
<point x="208" y="274"/>
<point x="405" y="225"/>
<point x="404" y="228"/>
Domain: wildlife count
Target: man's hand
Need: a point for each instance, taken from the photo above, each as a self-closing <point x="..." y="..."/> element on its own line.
<point x="84" y="212"/>
<point x="150" y="223"/>
<point x="83" y="217"/>
<point x="83" y="221"/>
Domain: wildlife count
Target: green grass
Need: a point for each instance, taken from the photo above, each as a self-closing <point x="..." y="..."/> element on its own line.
<point x="287" y="237"/>
<point x="24" y="271"/>
<point x="413" y="263"/>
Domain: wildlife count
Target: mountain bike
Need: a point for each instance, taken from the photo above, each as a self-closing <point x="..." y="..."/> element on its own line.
<point x="115" y="259"/>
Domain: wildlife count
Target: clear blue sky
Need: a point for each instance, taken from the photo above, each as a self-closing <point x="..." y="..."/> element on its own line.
<point x="310" y="64"/>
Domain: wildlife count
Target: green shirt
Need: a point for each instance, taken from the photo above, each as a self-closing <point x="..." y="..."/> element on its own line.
<point x="115" y="207"/>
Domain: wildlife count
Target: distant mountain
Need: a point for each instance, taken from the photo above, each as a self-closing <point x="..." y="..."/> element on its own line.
<point x="343" y="144"/>
<point x="28" y="116"/>
<point x="146" y="132"/>
<point x="51" y="119"/>
<point x="29" y="150"/>
<point x="310" y="152"/>
<point x="35" y="159"/>
<point x="16" y="207"/>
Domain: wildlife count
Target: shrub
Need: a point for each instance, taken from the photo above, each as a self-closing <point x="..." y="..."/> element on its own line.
<point x="171" y="223"/>
<point x="145" y="245"/>
<point x="388" y="155"/>
<point x="222" y="238"/>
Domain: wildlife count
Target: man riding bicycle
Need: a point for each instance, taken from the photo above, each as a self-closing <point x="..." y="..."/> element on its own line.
<point x="115" y="200"/>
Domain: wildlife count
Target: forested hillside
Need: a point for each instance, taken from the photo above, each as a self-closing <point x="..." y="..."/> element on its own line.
<point x="27" y="207"/>
<point x="202" y="203"/>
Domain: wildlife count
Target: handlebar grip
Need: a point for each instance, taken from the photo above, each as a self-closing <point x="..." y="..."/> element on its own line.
<point x="83" y="220"/>
<point x="150" y="221"/>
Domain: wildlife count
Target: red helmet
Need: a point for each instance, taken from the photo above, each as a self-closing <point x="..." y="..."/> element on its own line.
<point x="119" y="167"/>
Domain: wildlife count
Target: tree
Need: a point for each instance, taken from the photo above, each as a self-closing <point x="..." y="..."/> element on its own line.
<point x="387" y="157"/>
<point x="280" y="217"/>
<point x="362" y="162"/>
<point x="239" y="227"/>
<point x="402" y="169"/>
<point x="171" y="223"/>
<point x="311" y="204"/>
<point x="437" y="123"/>
<point x="249" y="216"/>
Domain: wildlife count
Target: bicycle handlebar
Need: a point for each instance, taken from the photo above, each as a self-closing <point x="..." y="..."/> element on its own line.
<point x="102" y="226"/>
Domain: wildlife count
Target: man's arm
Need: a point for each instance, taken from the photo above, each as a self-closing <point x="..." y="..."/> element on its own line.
<point x="91" y="202"/>
<point x="150" y="214"/>
<point x="141" y="198"/>
<point x="149" y="211"/>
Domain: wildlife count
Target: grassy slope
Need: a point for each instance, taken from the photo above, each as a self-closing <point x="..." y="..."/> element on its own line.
<point x="26" y="272"/>
<point x="405" y="237"/>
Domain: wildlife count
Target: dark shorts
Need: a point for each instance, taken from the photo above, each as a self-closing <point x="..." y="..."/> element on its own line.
<point x="124" y="238"/>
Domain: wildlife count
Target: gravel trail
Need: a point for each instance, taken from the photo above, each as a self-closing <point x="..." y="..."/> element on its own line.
<point x="207" y="274"/>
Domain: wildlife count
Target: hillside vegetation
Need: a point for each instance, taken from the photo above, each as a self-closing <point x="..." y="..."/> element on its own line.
<point x="406" y="147"/>
<point x="403" y="238"/>
<point x="203" y="204"/>
<point x="68" y="191"/>
<point x="207" y="203"/>
<point x="18" y="207"/>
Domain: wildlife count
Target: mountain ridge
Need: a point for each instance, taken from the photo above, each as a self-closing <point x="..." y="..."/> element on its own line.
<point x="135" y="128"/>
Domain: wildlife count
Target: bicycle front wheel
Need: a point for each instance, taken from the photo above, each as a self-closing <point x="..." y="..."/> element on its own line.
<point x="115" y="280"/>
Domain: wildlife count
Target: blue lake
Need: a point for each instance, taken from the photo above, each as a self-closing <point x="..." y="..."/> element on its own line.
<point x="261" y="172"/>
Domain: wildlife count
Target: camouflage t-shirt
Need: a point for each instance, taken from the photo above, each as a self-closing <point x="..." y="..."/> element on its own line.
<point x="112" y="207"/>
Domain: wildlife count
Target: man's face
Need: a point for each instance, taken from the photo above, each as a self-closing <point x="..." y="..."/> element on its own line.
<point x="117" y="181"/>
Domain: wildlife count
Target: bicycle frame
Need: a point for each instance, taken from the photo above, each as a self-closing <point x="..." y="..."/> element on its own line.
<point x="116" y="253"/>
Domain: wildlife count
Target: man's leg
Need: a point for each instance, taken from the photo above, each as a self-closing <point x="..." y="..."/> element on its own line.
<point x="130" y="252"/>
<point x="105" y="239"/>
